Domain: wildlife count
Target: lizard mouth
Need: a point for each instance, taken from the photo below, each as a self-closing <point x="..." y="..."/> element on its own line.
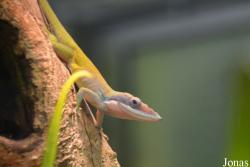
<point x="143" y="115"/>
<point x="123" y="111"/>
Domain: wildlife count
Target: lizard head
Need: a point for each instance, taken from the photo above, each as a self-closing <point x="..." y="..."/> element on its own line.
<point x="126" y="106"/>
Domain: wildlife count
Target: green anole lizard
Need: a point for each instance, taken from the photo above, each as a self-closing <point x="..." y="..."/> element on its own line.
<point x="93" y="87"/>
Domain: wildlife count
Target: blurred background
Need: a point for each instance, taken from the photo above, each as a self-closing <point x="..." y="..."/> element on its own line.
<point x="188" y="59"/>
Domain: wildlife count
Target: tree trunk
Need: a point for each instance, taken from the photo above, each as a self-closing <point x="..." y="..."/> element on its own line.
<point x="31" y="77"/>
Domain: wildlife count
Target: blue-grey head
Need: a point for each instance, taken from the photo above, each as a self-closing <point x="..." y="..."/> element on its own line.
<point x="126" y="106"/>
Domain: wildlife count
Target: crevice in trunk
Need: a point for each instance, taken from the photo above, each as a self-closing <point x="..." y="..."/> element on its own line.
<point x="17" y="108"/>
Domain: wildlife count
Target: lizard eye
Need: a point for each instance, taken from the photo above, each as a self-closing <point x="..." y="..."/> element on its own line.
<point x="135" y="103"/>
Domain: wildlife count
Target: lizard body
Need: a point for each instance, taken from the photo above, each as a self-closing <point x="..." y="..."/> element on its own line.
<point x="95" y="90"/>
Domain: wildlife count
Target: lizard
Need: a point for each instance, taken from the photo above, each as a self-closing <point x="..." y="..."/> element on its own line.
<point x="92" y="86"/>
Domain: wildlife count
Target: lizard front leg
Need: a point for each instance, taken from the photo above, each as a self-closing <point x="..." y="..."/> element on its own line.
<point x="95" y="100"/>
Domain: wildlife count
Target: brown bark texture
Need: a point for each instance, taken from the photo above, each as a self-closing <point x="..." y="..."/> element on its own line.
<point x="31" y="76"/>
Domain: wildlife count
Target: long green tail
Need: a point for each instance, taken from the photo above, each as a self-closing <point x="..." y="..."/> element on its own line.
<point x="53" y="131"/>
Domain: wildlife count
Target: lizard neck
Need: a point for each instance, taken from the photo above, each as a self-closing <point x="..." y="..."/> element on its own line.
<point x="81" y="62"/>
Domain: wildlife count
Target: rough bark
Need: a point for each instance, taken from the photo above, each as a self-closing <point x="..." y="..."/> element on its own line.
<point x="31" y="76"/>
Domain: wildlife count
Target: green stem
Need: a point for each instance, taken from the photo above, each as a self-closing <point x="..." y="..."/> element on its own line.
<point x="53" y="131"/>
